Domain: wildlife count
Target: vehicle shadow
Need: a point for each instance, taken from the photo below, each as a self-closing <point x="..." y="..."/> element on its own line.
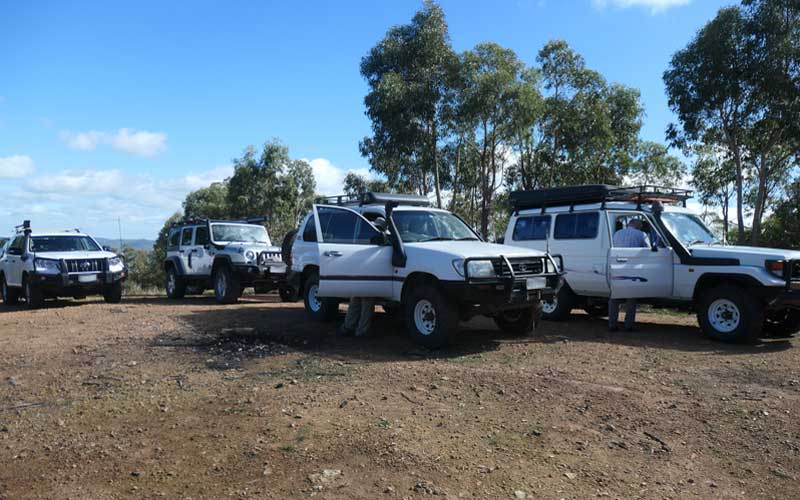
<point x="238" y="333"/>
<point x="661" y="335"/>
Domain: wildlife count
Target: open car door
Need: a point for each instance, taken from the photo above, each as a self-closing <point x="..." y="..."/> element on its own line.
<point x="354" y="257"/>
<point x="639" y="273"/>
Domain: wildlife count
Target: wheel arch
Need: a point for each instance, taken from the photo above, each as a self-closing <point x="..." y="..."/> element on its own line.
<point x="220" y="260"/>
<point x="710" y="280"/>
<point x="417" y="278"/>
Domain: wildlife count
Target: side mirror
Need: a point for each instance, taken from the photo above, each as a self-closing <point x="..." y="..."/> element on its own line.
<point x="379" y="239"/>
<point x="107" y="248"/>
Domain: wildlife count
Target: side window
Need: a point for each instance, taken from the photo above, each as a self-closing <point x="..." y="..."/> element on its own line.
<point x="186" y="238"/>
<point x="365" y="233"/>
<point x="581" y="226"/>
<point x="174" y="239"/>
<point x="201" y="235"/>
<point x="310" y="230"/>
<point x="338" y="226"/>
<point x="15" y="248"/>
<point x="532" y="228"/>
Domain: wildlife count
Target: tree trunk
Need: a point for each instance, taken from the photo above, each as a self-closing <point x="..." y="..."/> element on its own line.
<point x="435" y="160"/>
<point x="737" y="160"/>
<point x="761" y="196"/>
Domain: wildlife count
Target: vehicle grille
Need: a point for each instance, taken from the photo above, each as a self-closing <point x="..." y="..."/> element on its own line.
<point x="265" y="258"/>
<point x="86" y="265"/>
<point x="523" y="266"/>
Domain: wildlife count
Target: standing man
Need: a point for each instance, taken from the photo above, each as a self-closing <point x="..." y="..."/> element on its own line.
<point x="629" y="237"/>
<point x="358" y="320"/>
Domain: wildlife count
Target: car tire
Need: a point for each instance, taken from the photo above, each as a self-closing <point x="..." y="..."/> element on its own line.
<point x="730" y="314"/>
<point x="782" y="324"/>
<point x="113" y="295"/>
<point x="519" y="321"/>
<point x="287" y="294"/>
<point x="559" y="308"/>
<point x="10" y="295"/>
<point x="431" y="318"/>
<point x="319" y="308"/>
<point x="175" y="285"/>
<point x="227" y="289"/>
<point x="33" y="295"/>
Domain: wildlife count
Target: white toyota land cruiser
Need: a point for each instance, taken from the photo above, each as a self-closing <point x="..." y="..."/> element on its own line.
<point x="398" y="249"/>
<point x="38" y="266"/>
<point x="739" y="293"/>
<point x="225" y="255"/>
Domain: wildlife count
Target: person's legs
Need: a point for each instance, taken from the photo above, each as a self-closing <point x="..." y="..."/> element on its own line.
<point x="367" y="314"/>
<point x="630" y="314"/>
<point x="613" y="314"/>
<point x="351" y="320"/>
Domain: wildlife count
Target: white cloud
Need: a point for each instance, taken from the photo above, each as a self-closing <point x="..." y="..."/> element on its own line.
<point x="16" y="166"/>
<point x="204" y="179"/>
<point x="141" y="142"/>
<point x="330" y="178"/>
<point x="655" y="6"/>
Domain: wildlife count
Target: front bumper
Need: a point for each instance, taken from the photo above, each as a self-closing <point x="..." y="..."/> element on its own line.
<point x="65" y="284"/>
<point x="487" y="297"/>
<point x="787" y="298"/>
<point x="261" y="275"/>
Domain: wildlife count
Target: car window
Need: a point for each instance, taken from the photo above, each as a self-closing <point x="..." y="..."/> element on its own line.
<point x="338" y="226"/>
<point x="580" y="226"/>
<point x="201" y="236"/>
<point x="186" y="238"/>
<point x="532" y="228"/>
<point x="365" y="233"/>
<point x="15" y="248"/>
<point x="310" y="231"/>
<point x="66" y="243"/>
<point x="174" y="239"/>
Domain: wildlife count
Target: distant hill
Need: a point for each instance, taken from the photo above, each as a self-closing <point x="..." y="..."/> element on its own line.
<point x="137" y="244"/>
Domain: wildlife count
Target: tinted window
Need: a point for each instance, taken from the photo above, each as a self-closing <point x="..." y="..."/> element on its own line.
<point x="15" y="247"/>
<point x="174" y="238"/>
<point x="63" y="244"/>
<point x="532" y="228"/>
<point x="186" y="239"/>
<point x="581" y="226"/>
<point x="338" y="226"/>
<point x="365" y="233"/>
<point x="201" y="236"/>
<point x="310" y="231"/>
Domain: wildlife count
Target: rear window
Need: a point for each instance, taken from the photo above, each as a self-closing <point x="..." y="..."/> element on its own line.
<point x="532" y="228"/>
<point x="581" y="226"/>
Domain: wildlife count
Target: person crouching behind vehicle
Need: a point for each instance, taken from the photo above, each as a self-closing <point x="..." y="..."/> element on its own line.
<point x="629" y="237"/>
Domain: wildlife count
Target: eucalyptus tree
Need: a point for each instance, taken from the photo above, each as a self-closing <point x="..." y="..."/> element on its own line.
<point x="408" y="73"/>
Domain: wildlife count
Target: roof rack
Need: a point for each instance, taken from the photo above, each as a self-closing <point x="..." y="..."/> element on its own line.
<point x="371" y="198"/>
<point x="249" y="220"/>
<point x="596" y="193"/>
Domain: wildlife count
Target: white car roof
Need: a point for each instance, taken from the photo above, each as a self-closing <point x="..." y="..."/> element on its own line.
<point x="57" y="233"/>
<point x="610" y="205"/>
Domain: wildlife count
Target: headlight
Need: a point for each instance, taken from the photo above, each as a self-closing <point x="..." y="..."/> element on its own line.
<point x="47" y="266"/>
<point x="249" y="255"/>
<point x="776" y="267"/>
<point x="480" y="269"/>
<point x="114" y="262"/>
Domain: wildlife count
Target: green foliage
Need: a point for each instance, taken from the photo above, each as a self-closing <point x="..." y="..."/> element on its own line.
<point x="355" y="184"/>
<point x="654" y="165"/>
<point x="782" y="227"/>
<point x="734" y="87"/>
<point x="208" y="203"/>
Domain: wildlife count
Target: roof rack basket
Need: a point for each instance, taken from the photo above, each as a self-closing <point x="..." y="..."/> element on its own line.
<point x="371" y="198"/>
<point x="596" y="193"/>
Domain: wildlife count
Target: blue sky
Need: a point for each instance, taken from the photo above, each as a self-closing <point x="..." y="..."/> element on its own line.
<point x="116" y="110"/>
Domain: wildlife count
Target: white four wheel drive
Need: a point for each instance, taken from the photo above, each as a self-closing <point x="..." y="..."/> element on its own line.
<point x="424" y="261"/>
<point x="37" y="266"/>
<point x="739" y="293"/>
<point x="225" y="255"/>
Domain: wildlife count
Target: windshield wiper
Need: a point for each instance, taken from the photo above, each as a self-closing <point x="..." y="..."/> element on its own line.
<point x="438" y="238"/>
<point x="468" y="238"/>
<point x="695" y="242"/>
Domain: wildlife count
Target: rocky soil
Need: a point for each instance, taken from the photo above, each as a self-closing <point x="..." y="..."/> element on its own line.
<point x="155" y="399"/>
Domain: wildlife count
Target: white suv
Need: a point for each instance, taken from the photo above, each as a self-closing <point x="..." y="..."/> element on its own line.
<point x="225" y="255"/>
<point x="399" y="250"/>
<point x="738" y="292"/>
<point x="36" y="266"/>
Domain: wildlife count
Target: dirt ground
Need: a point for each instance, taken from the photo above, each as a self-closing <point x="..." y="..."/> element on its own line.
<point x="157" y="399"/>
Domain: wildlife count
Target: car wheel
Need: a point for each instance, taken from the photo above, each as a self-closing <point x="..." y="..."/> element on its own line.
<point x="226" y="286"/>
<point x="287" y="294"/>
<point x="431" y="318"/>
<point x="33" y="295"/>
<point x="518" y="321"/>
<point x="730" y="314"/>
<point x="113" y="295"/>
<point x="782" y="323"/>
<point x="560" y="306"/>
<point x="10" y="295"/>
<point x="175" y="285"/>
<point x="319" y="308"/>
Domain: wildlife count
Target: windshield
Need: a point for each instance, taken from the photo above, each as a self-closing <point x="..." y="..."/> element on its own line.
<point x="688" y="228"/>
<point x="63" y="244"/>
<point x="419" y="226"/>
<point x="239" y="233"/>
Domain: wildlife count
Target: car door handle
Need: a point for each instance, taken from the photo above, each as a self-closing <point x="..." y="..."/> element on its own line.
<point x="332" y="253"/>
<point x="622" y="259"/>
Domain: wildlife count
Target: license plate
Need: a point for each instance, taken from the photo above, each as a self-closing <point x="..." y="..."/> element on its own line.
<point x="87" y="278"/>
<point x="536" y="283"/>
